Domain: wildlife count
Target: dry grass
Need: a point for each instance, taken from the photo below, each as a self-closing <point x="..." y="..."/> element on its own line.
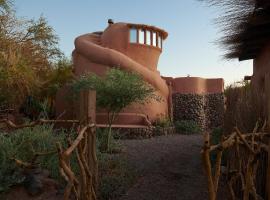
<point x="242" y="108"/>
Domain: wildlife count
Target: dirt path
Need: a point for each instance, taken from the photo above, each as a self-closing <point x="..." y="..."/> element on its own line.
<point x="169" y="166"/>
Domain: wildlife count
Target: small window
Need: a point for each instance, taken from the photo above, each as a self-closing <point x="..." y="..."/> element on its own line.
<point x="148" y="37"/>
<point x="133" y="35"/>
<point x="141" y="36"/>
<point x="159" y="41"/>
<point x="154" y="39"/>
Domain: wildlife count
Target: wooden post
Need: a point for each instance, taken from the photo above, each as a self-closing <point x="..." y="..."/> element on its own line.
<point x="267" y="190"/>
<point x="267" y="101"/>
<point x="208" y="167"/>
<point x="87" y="115"/>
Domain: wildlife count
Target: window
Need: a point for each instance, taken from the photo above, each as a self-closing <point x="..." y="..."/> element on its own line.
<point x="141" y="36"/>
<point x="154" y="39"/>
<point x="148" y="37"/>
<point x="144" y="36"/>
<point x="159" y="41"/>
<point x="133" y="35"/>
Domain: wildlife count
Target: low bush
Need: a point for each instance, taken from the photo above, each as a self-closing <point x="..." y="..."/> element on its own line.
<point x="187" y="127"/>
<point x="22" y="145"/>
<point x="163" y="122"/>
<point x="102" y="136"/>
<point x="116" y="177"/>
<point x="216" y="136"/>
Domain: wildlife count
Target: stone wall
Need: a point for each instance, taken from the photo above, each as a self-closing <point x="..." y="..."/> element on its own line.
<point x="206" y="110"/>
<point x="214" y="110"/>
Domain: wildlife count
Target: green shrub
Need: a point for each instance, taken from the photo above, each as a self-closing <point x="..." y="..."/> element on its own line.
<point x="187" y="127"/>
<point x="216" y="136"/>
<point x="22" y="145"/>
<point x="116" y="177"/>
<point x="163" y="122"/>
<point x="102" y="136"/>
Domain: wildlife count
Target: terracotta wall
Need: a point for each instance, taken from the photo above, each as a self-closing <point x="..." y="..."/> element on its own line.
<point x="196" y="85"/>
<point x="116" y="36"/>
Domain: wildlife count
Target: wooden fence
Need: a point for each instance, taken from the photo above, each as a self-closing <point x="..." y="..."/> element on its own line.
<point x="84" y="185"/>
<point x="248" y="167"/>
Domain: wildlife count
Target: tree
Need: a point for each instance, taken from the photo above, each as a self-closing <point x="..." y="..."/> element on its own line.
<point x="117" y="90"/>
<point x="31" y="64"/>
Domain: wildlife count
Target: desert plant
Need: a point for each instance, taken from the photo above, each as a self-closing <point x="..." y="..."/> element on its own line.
<point x="22" y="145"/>
<point x="216" y="137"/>
<point x="163" y="121"/>
<point x="31" y="64"/>
<point x="117" y="90"/>
<point x="243" y="107"/>
<point x="187" y="127"/>
<point x="238" y="20"/>
<point x="102" y="134"/>
<point x="116" y="176"/>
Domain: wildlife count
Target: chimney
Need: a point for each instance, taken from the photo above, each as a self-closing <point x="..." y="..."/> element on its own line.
<point x="110" y="22"/>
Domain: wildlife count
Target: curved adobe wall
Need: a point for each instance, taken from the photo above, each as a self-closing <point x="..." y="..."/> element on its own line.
<point x="116" y="36"/>
<point x="96" y="52"/>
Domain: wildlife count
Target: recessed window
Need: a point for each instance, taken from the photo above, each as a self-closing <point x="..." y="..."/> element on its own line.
<point x="144" y="36"/>
<point x="159" y="42"/>
<point x="148" y="37"/>
<point x="154" y="39"/>
<point x="141" y="36"/>
<point x="133" y="35"/>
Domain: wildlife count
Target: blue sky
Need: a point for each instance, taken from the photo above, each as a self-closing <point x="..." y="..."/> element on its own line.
<point x="189" y="49"/>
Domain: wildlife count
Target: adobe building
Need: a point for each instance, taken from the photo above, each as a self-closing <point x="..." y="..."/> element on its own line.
<point x="136" y="48"/>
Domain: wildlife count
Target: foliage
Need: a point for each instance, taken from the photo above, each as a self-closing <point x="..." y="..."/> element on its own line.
<point x="116" y="176"/>
<point x="242" y="107"/>
<point x="216" y="136"/>
<point x="22" y="145"/>
<point x="238" y="20"/>
<point x="31" y="63"/>
<point x="117" y="90"/>
<point x="187" y="127"/>
<point x="43" y="101"/>
<point x="102" y="135"/>
<point x="163" y="122"/>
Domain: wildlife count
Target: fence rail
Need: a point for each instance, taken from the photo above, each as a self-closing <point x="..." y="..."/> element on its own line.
<point x="247" y="149"/>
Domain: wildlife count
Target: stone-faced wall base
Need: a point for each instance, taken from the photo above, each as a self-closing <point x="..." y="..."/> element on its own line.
<point x="206" y="110"/>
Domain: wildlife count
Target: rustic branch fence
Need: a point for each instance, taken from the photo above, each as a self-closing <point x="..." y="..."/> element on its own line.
<point x="84" y="186"/>
<point x="243" y="167"/>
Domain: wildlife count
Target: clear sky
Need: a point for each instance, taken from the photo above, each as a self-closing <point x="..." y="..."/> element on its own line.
<point x="189" y="49"/>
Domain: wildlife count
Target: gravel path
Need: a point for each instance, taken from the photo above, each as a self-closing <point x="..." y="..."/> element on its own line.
<point x="170" y="168"/>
